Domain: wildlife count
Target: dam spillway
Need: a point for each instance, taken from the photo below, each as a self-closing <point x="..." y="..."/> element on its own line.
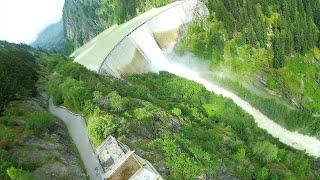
<point x="117" y="50"/>
<point x="136" y="47"/>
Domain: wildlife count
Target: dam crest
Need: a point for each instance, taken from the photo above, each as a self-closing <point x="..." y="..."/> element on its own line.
<point x="134" y="47"/>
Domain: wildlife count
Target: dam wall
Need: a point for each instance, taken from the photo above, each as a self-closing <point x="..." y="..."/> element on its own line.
<point x="117" y="51"/>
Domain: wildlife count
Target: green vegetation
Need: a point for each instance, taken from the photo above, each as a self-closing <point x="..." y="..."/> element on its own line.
<point x="19" y="122"/>
<point x="183" y="129"/>
<point x="279" y="110"/>
<point x="18" y="174"/>
<point x="5" y="162"/>
<point x="176" y="123"/>
<point x="25" y="126"/>
<point x="39" y="122"/>
<point x="267" y="44"/>
<point x="18" y="73"/>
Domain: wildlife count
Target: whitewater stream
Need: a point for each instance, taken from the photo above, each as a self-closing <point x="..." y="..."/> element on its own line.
<point x="164" y="61"/>
<point x="294" y="139"/>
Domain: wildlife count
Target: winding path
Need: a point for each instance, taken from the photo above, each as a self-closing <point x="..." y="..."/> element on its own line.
<point x="78" y="130"/>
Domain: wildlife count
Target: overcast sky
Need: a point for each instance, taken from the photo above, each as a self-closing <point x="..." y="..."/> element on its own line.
<point x="22" y="20"/>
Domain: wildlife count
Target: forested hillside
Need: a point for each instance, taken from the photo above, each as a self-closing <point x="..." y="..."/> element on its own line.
<point x="182" y="129"/>
<point x="271" y="45"/>
<point x="33" y="144"/>
<point x="84" y="20"/>
<point x="266" y="51"/>
<point x="18" y="73"/>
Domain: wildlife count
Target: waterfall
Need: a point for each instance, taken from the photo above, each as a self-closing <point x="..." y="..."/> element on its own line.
<point x="160" y="62"/>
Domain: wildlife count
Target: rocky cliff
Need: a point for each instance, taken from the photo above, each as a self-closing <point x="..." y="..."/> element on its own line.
<point x="85" y="19"/>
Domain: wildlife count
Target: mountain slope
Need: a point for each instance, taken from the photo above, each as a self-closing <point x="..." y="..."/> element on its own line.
<point x="52" y="39"/>
<point x="269" y="46"/>
<point x="83" y="20"/>
<point x="184" y="130"/>
<point x="33" y="144"/>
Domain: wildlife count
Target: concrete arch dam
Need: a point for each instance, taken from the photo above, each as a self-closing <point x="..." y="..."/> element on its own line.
<point x="136" y="47"/>
<point x="118" y="50"/>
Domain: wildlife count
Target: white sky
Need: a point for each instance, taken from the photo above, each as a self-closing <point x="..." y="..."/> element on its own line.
<point x="22" y="20"/>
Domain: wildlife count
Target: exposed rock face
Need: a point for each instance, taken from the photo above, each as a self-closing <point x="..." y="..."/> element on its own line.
<point x="49" y="156"/>
<point x="52" y="157"/>
<point x="51" y="39"/>
<point x="80" y="21"/>
<point x="85" y="19"/>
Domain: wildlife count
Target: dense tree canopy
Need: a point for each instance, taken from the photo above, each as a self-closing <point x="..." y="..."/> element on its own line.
<point x="177" y="124"/>
<point x="17" y="73"/>
<point x="269" y="45"/>
<point x="294" y="24"/>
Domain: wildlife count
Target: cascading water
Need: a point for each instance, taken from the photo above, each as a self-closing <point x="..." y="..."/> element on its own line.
<point x="159" y="61"/>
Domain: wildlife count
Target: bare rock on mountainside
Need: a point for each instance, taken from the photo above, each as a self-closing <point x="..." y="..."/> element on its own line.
<point x="83" y="20"/>
<point x="49" y="155"/>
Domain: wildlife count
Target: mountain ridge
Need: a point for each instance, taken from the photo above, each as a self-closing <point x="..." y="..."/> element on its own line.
<point x="52" y="38"/>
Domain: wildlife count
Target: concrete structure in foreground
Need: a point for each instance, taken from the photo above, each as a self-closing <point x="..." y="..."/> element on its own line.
<point x="116" y="51"/>
<point x="121" y="163"/>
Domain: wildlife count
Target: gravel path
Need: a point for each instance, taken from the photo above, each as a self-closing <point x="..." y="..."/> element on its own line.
<point x="78" y="130"/>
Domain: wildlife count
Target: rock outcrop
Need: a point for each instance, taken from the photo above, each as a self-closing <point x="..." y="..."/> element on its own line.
<point x="83" y="19"/>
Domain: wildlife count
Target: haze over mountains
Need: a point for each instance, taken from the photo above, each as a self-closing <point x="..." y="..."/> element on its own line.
<point x="52" y="38"/>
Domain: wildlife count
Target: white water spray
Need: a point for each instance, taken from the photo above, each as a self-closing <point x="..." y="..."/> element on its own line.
<point x="159" y="61"/>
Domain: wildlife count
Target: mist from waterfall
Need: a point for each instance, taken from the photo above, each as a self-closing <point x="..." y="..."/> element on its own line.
<point x="184" y="66"/>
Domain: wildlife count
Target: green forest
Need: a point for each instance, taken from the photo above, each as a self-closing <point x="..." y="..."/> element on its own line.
<point x="176" y="123"/>
<point x="272" y="45"/>
<point x="267" y="51"/>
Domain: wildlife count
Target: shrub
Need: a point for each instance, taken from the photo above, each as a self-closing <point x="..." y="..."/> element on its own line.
<point x="262" y="173"/>
<point x="18" y="174"/>
<point x="53" y="88"/>
<point x="100" y="127"/>
<point x="176" y="112"/>
<point x="18" y="75"/>
<point x="8" y="136"/>
<point x="75" y="93"/>
<point x="142" y="114"/>
<point x="265" y="151"/>
<point x="5" y="163"/>
<point x="113" y="101"/>
<point x="39" y="122"/>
